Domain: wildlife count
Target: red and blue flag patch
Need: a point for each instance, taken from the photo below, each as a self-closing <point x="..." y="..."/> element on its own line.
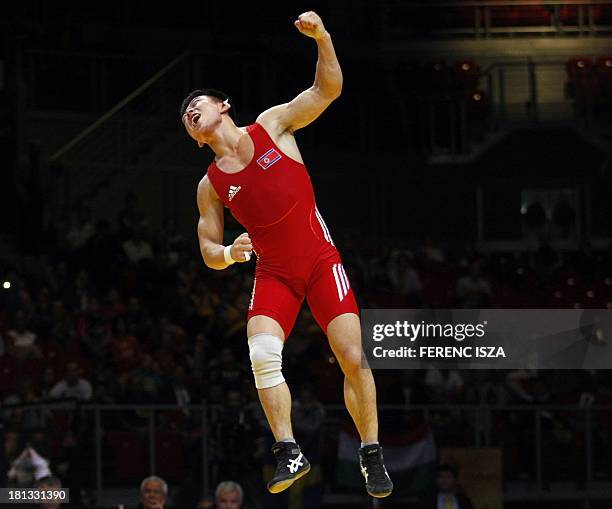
<point x="269" y="158"/>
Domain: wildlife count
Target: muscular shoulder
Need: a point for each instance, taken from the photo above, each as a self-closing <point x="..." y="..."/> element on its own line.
<point x="283" y="137"/>
<point x="206" y="192"/>
<point x="270" y="121"/>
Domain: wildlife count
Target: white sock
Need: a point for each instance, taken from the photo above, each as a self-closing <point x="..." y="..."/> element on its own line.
<point x="365" y="444"/>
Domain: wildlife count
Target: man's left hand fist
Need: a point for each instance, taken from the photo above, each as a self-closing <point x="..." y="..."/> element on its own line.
<point x="310" y="24"/>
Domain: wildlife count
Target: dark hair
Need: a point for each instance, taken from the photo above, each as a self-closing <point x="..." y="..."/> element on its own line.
<point x="445" y="467"/>
<point x="210" y="92"/>
<point x="47" y="480"/>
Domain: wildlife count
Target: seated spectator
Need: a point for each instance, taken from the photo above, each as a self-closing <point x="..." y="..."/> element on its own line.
<point x="178" y="391"/>
<point x="545" y="261"/>
<point x="229" y="495"/>
<point x="443" y="385"/>
<point x="448" y="494"/>
<point x="130" y="216"/>
<point x="405" y="280"/>
<point x="27" y="468"/>
<point x="473" y="290"/>
<point x="227" y="371"/>
<point x="23" y="418"/>
<point x="50" y="483"/>
<point x="153" y="493"/>
<point x="431" y="253"/>
<point x="137" y="248"/>
<point x="62" y="330"/>
<point x="125" y="348"/>
<point x="82" y="229"/>
<point x="72" y="386"/>
<point x="147" y="380"/>
<point x="21" y="341"/>
<point x="308" y="412"/>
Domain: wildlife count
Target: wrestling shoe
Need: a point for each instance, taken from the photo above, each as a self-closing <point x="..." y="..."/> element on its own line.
<point x="291" y="465"/>
<point x="377" y="480"/>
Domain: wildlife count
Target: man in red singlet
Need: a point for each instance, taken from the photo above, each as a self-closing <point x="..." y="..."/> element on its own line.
<point x="258" y="173"/>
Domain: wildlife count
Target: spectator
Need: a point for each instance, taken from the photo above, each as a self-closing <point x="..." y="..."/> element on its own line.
<point x="473" y="290"/>
<point x="82" y="292"/>
<point x="179" y="393"/>
<point x="448" y="494"/>
<point x="308" y="412"/>
<point x="27" y="468"/>
<point x="21" y="340"/>
<point x="137" y="248"/>
<point x="23" y="418"/>
<point x="404" y="279"/>
<point x="50" y="483"/>
<point x="444" y="385"/>
<point x="147" y="380"/>
<point x="130" y="217"/>
<point x="431" y="253"/>
<point x="125" y="347"/>
<point x="227" y="371"/>
<point x="82" y="229"/>
<point x="72" y="386"/>
<point x="153" y="493"/>
<point x="63" y="326"/>
<point x="229" y="495"/>
<point x="545" y="261"/>
<point x="47" y="382"/>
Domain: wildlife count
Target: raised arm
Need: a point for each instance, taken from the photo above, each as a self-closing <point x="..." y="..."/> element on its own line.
<point x="210" y="231"/>
<point x="309" y="104"/>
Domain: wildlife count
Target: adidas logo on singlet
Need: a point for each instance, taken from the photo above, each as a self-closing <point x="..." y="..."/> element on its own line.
<point x="233" y="191"/>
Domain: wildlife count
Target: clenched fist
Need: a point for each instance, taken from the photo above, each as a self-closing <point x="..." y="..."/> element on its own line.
<point x="241" y="248"/>
<point x="310" y="24"/>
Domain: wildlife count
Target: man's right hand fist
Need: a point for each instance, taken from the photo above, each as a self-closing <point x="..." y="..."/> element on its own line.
<point x="241" y="248"/>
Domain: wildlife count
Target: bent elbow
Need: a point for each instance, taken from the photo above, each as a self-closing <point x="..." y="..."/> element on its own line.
<point x="335" y="91"/>
<point x="210" y="263"/>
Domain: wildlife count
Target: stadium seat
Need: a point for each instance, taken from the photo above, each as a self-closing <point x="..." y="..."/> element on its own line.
<point x="169" y="456"/>
<point x="129" y="456"/>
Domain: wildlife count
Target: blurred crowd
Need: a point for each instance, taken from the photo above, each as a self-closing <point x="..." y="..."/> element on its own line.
<point x="127" y="315"/>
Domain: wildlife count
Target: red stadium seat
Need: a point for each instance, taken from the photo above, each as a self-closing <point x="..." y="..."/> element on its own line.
<point x="129" y="456"/>
<point x="169" y="456"/>
<point x="8" y="375"/>
<point x="521" y="16"/>
<point x="604" y="77"/>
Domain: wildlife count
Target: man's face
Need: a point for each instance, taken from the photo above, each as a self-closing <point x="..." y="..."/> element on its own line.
<point x="49" y="486"/>
<point x="202" y="116"/>
<point x="446" y="481"/>
<point x="152" y="495"/>
<point x="228" y="500"/>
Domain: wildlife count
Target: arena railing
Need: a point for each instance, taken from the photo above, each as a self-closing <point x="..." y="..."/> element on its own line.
<point x="549" y="443"/>
<point x="479" y="20"/>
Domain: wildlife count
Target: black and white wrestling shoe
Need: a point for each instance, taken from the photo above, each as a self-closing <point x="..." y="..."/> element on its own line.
<point x="291" y="465"/>
<point x="377" y="480"/>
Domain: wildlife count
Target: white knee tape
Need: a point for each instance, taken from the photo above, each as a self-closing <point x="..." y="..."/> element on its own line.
<point x="266" y="352"/>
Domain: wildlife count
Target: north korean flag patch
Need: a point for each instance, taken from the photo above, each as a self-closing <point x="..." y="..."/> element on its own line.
<point x="269" y="158"/>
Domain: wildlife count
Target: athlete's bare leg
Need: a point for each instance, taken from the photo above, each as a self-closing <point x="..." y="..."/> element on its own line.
<point x="344" y="334"/>
<point x="276" y="401"/>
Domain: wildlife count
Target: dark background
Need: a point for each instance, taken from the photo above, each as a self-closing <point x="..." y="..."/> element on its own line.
<point x="466" y="164"/>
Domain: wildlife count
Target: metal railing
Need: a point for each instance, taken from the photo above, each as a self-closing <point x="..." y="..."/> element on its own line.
<point x="548" y="442"/>
<point x="477" y="18"/>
